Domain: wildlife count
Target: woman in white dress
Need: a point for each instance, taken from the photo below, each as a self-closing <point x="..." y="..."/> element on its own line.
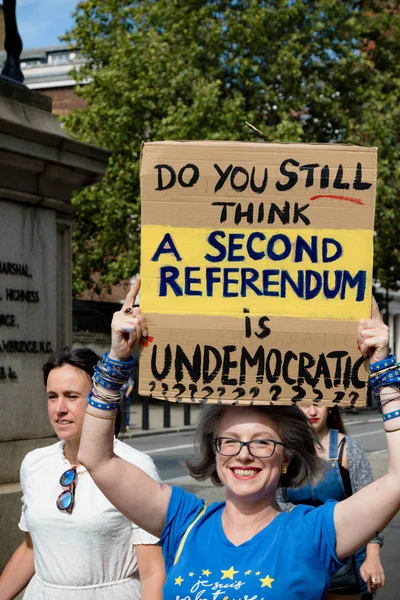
<point x="77" y="546"/>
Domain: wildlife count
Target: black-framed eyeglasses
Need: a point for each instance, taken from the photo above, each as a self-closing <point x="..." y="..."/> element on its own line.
<point x="257" y="448"/>
<point x="65" y="500"/>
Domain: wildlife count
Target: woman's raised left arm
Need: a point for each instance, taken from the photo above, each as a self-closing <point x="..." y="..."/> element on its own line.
<point x="358" y="518"/>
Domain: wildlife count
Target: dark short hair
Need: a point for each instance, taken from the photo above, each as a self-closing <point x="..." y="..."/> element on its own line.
<point x="334" y="420"/>
<point x="84" y="359"/>
<point x="294" y="429"/>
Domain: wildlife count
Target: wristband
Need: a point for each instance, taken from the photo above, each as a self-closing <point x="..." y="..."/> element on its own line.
<point x="389" y="361"/>
<point x="101" y="405"/>
<point x="120" y="364"/>
<point x="108" y="384"/>
<point x="392" y="415"/>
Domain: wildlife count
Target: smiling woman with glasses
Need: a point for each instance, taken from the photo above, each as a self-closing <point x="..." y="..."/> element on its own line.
<point x="246" y="547"/>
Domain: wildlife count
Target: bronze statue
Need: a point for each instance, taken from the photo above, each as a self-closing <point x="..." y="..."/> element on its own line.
<point x="13" y="43"/>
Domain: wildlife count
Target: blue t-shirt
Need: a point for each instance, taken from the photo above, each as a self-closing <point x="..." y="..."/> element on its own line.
<point x="292" y="558"/>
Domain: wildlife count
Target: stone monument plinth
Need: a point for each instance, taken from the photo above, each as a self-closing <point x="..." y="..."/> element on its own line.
<point x="40" y="167"/>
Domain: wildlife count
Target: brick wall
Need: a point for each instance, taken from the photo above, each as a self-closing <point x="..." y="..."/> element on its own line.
<point x="64" y="100"/>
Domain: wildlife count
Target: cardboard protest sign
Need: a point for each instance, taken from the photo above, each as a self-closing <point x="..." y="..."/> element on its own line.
<point x="256" y="268"/>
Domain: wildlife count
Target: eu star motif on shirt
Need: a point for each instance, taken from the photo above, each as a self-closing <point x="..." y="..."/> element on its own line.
<point x="230" y="573"/>
<point x="267" y="581"/>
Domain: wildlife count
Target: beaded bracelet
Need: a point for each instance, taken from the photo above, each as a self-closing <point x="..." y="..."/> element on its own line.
<point x="100" y="417"/>
<point x="392" y="415"/>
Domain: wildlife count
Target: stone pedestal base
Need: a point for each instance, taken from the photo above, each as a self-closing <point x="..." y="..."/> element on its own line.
<point x="40" y="167"/>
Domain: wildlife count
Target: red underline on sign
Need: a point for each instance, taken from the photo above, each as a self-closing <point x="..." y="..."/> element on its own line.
<point x="345" y="198"/>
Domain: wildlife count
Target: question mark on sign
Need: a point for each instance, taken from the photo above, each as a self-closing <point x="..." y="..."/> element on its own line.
<point x="221" y="391"/>
<point x="255" y="391"/>
<point x="152" y="385"/>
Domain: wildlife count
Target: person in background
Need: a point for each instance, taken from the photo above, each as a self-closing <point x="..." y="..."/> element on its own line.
<point x="347" y="472"/>
<point x="246" y="546"/>
<point x="126" y="394"/>
<point x="77" y="546"/>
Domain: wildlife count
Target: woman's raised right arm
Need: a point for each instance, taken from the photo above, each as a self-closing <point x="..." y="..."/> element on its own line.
<point x="136" y="495"/>
<point x="18" y="571"/>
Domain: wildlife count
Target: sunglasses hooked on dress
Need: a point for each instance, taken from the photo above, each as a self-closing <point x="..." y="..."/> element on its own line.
<point x="65" y="500"/>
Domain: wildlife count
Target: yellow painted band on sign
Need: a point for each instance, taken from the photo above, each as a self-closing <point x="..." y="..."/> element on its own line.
<point x="311" y="273"/>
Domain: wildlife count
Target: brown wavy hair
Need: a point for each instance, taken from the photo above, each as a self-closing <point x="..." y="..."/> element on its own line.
<point x="294" y="429"/>
<point x="334" y="420"/>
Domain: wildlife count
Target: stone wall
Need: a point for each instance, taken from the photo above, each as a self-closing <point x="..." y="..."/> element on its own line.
<point x="40" y="167"/>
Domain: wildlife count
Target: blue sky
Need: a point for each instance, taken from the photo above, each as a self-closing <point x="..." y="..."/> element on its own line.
<point x="40" y="22"/>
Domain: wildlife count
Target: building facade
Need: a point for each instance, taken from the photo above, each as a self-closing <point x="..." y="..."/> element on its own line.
<point x="49" y="71"/>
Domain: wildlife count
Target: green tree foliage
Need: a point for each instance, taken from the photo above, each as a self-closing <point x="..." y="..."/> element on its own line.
<point x="300" y="70"/>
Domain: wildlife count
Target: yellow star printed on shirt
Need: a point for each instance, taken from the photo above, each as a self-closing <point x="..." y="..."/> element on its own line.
<point x="191" y="574"/>
<point x="206" y="572"/>
<point x="178" y="580"/>
<point x="248" y="572"/>
<point x="228" y="573"/>
<point x="258" y="572"/>
<point x="267" y="581"/>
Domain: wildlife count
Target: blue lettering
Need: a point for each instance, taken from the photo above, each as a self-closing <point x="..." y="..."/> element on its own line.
<point x="328" y="293"/>
<point x="313" y="277"/>
<point x="168" y="276"/>
<point x="279" y="237"/>
<point x="166" y="246"/>
<point x="338" y="251"/>
<point x="248" y="278"/>
<point x="251" y="252"/>
<point x="212" y="240"/>
<point x="298" y="287"/>
<point x="267" y="283"/>
<point x="210" y="279"/>
<point x="359" y="280"/>
<point x="189" y="281"/>
<point x="226" y="293"/>
<point x="303" y="246"/>
<point x="233" y="247"/>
